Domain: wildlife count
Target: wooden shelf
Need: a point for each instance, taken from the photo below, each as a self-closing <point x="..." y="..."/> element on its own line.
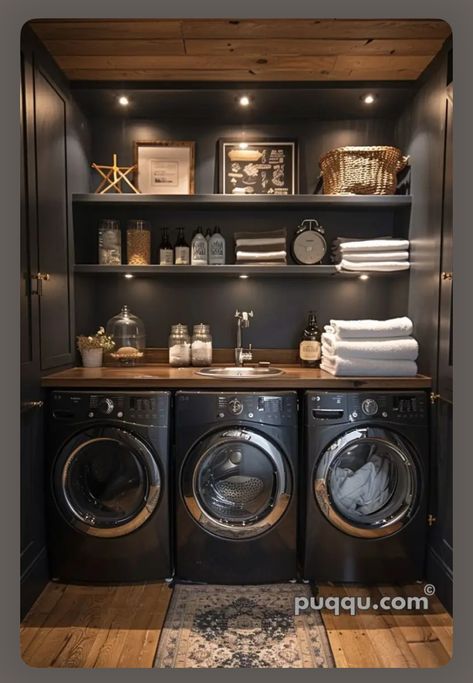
<point x="209" y="201"/>
<point x="227" y="270"/>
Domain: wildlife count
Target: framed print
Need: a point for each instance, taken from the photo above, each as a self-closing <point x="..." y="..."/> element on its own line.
<point x="264" y="166"/>
<point x="165" y="167"/>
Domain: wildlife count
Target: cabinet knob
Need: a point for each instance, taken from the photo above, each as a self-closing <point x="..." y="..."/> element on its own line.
<point x="30" y="405"/>
<point x="40" y="278"/>
<point x="447" y="276"/>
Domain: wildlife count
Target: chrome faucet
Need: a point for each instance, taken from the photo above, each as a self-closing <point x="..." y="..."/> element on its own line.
<point x="241" y="354"/>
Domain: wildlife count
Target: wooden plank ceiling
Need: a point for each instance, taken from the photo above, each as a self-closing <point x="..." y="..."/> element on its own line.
<point x="243" y="50"/>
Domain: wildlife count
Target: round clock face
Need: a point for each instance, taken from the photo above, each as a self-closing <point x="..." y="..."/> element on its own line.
<point x="309" y="247"/>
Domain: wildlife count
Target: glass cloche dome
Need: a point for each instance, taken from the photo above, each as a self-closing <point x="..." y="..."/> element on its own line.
<point x="127" y="330"/>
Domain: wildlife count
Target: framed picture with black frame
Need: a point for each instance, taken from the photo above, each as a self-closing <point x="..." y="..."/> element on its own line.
<point x="257" y="166"/>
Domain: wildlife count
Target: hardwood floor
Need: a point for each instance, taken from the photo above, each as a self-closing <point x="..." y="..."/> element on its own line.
<point x="120" y="626"/>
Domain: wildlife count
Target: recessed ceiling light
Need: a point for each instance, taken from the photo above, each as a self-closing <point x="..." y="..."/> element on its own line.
<point x="128" y="276"/>
<point x="244" y="101"/>
<point x="124" y="101"/>
<point x="368" y="98"/>
<point x="243" y="276"/>
<point x="243" y="145"/>
<point x="364" y="277"/>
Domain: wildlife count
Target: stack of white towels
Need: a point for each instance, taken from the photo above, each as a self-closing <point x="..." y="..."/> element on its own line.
<point x="261" y="248"/>
<point x="379" y="254"/>
<point x="381" y="348"/>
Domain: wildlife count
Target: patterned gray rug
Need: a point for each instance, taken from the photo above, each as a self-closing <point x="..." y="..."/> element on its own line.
<point x="241" y="627"/>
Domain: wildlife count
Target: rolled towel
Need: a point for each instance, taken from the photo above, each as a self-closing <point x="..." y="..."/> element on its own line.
<point x="373" y="266"/>
<point x="376" y="245"/>
<point x="364" y="366"/>
<point x="377" y="256"/>
<point x="396" y="348"/>
<point x="369" y="329"/>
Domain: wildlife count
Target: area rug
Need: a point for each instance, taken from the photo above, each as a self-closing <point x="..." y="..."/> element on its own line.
<point x="242" y="627"/>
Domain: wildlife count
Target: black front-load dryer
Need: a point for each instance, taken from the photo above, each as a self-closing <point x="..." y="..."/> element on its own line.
<point x="236" y="461"/>
<point x="108" y="489"/>
<point x="366" y="479"/>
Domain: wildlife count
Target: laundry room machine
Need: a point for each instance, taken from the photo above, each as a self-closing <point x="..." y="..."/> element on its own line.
<point x="365" y="474"/>
<point x="108" y="486"/>
<point x="236" y="501"/>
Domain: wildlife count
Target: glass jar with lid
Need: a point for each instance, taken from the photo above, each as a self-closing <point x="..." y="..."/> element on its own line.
<point x="128" y="332"/>
<point x="179" y="346"/>
<point x="138" y="243"/>
<point x="201" y="346"/>
<point x="110" y="242"/>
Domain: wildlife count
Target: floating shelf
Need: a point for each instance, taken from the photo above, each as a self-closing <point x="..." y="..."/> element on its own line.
<point x="208" y="201"/>
<point x="229" y="270"/>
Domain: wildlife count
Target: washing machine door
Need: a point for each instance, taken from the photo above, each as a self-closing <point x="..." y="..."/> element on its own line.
<point x="236" y="483"/>
<point x="366" y="482"/>
<point x="106" y="482"/>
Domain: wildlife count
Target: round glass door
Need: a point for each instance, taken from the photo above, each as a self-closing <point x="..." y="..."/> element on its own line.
<point x="106" y="482"/>
<point x="366" y="483"/>
<point x="236" y="484"/>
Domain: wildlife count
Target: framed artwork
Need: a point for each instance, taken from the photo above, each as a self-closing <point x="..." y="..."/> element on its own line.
<point x="257" y="167"/>
<point x="165" y="167"/>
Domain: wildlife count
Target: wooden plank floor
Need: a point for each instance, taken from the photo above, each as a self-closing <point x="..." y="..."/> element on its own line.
<point x="120" y="626"/>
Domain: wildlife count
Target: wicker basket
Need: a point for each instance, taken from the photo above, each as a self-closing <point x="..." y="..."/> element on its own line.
<point x="362" y="170"/>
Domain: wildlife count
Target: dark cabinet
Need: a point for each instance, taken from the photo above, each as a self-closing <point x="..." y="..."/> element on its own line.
<point x="50" y="115"/>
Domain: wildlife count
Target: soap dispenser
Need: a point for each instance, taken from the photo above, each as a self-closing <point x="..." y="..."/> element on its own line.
<point x="217" y="248"/>
<point x="199" y="249"/>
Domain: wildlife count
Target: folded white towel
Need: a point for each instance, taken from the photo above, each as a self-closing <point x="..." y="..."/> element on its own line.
<point x="375" y="245"/>
<point x="373" y="266"/>
<point x="264" y="242"/>
<point x="260" y="256"/>
<point x="358" y="367"/>
<point x="377" y="256"/>
<point x="369" y="329"/>
<point x="396" y="348"/>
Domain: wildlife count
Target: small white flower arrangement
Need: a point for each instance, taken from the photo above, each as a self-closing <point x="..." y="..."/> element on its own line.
<point x="93" y="346"/>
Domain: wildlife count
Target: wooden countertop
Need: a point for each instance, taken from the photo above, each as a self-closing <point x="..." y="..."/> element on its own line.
<point x="165" y="377"/>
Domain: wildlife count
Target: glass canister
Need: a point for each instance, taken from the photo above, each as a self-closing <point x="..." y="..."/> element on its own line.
<point x="110" y="242"/>
<point x="127" y="330"/>
<point x="138" y="243"/>
<point x="179" y="346"/>
<point x="201" y="346"/>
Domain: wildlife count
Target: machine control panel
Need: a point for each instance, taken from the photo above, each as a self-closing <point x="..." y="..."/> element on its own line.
<point x="353" y="406"/>
<point x="265" y="408"/>
<point x="149" y="408"/>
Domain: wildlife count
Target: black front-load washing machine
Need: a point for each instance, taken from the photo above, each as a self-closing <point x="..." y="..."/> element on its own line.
<point x="236" y="462"/>
<point x="366" y="480"/>
<point x="108" y="489"/>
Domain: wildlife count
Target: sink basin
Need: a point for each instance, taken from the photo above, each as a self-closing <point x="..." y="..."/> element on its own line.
<point x="240" y="373"/>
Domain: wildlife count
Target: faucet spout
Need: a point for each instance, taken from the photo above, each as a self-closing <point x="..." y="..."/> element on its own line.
<point x="241" y="354"/>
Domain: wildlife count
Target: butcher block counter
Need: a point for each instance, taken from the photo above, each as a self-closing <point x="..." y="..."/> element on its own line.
<point x="165" y="377"/>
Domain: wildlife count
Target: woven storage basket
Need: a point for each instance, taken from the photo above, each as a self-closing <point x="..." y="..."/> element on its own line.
<point x="362" y="170"/>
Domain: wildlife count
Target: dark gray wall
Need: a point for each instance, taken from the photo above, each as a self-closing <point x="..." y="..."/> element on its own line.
<point x="280" y="304"/>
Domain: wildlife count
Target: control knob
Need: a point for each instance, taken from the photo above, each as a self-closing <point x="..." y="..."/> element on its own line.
<point x="236" y="406"/>
<point x="106" y="406"/>
<point x="369" y="406"/>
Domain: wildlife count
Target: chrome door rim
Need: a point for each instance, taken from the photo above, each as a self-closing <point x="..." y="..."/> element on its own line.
<point x="86" y="522"/>
<point x="385" y="527"/>
<point x="282" y="495"/>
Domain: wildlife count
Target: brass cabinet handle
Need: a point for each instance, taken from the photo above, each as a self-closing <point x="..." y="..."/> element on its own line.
<point x="30" y="405"/>
<point x="447" y="276"/>
<point x="40" y="278"/>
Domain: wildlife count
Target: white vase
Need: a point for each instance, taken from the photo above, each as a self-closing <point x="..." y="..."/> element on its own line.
<point x="92" y="358"/>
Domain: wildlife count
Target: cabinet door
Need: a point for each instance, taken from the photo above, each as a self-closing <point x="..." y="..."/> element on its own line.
<point x="445" y="360"/>
<point x="52" y="221"/>
<point x="29" y="349"/>
<point x="440" y="556"/>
